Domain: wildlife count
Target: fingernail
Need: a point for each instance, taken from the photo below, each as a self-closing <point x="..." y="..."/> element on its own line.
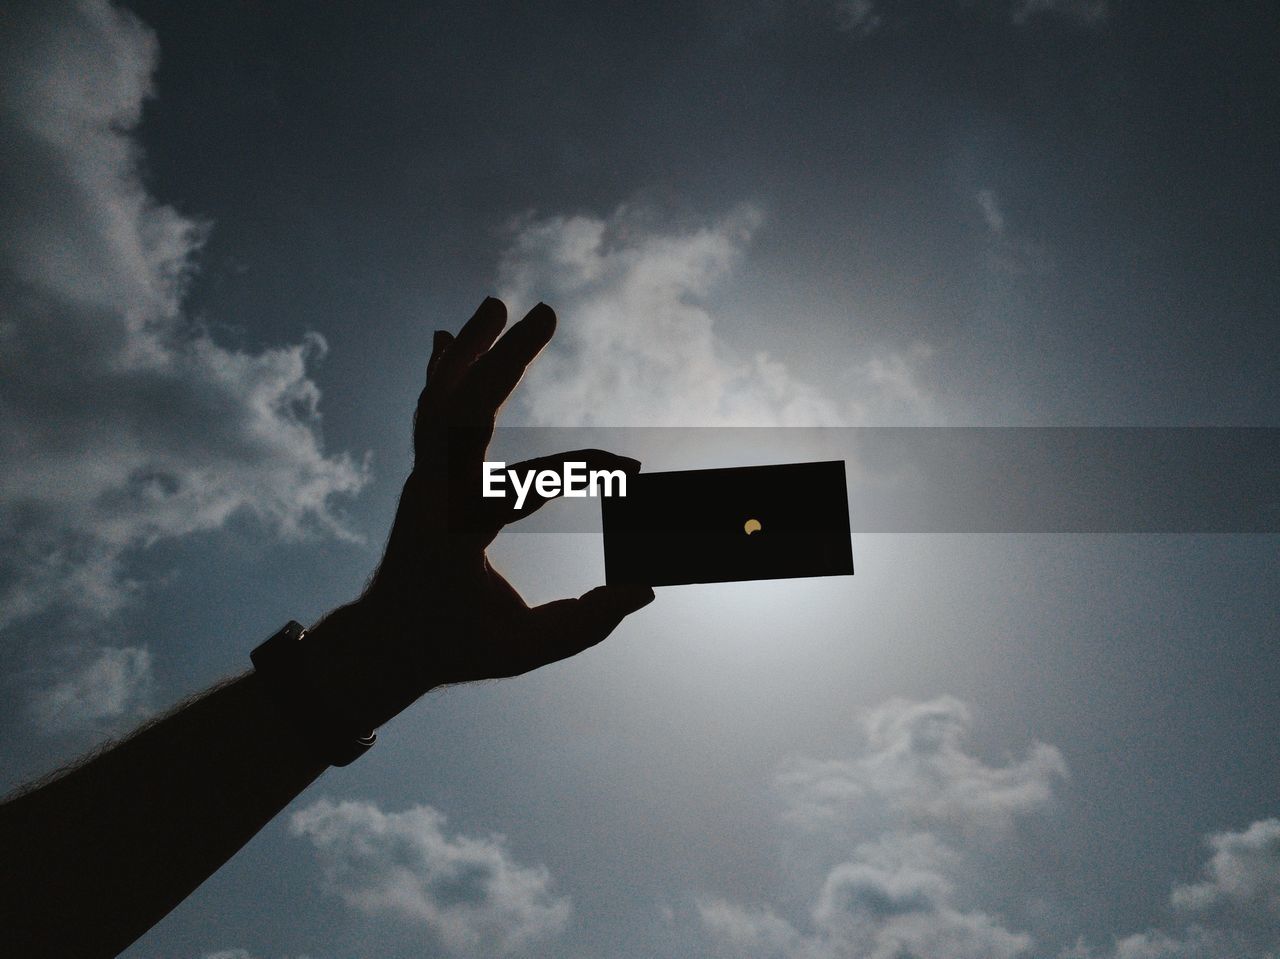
<point x="629" y="465"/>
<point x="491" y="301"/>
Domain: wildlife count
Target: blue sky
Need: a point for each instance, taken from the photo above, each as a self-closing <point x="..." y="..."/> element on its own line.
<point x="229" y="232"/>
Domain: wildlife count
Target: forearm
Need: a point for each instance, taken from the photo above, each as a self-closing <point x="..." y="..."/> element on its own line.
<point x="91" y="860"/>
<point x="96" y="857"/>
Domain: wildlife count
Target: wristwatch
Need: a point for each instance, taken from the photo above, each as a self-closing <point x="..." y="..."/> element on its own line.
<point x="281" y="661"/>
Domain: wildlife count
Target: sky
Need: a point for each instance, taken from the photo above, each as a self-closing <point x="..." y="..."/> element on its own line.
<point x="229" y="231"/>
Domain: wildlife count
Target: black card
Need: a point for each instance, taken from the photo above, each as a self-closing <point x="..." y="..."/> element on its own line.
<point x="722" y="525"/>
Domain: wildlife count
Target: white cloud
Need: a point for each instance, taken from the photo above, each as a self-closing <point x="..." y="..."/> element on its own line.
<point x="924" y="817"/>
<point x="466" y="890"/>
<point x="1088" y="12"/>
<point x="916" y="806"/>
<point x="753" y="933"/>
<point x="1236" y="907"/>
<point x="112" y="687"/>
<point x="1244" y="872"/>
<point x="991" y="211"/>
<point x="641" y="345"/>
<point x="892" y="899"/>
<point x="1009" y="251"/>
<point x="916" y="763"/>
<point x="1195" y="942"/>
<point x="123" y="422"/>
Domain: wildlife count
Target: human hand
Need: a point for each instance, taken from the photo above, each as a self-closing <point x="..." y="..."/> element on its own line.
<point x="436" y="611"/>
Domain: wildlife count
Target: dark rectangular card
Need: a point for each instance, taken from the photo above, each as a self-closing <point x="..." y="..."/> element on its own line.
<point x="722" y="525"/>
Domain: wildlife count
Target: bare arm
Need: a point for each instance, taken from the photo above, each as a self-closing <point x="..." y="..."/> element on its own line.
<point x="93" y="858"/>
<point x="97" y="856"/>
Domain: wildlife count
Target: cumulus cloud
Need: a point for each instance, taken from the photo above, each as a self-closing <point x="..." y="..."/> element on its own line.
<point x="916" y="762"/>
<point x="1243" y="872"/>
<point x="122" y="422"/>
<point x="1195" y="942"/>
<point x="1234" y="911"/>
<point x="923" y="799"/>
<point x="924" y="819"/>
<point x="112" y="687"/>
<point x="641" y="344"/>
<point x="892" y="899"/>
<point x="751" y="933"/>
<point x="467" y="890"/>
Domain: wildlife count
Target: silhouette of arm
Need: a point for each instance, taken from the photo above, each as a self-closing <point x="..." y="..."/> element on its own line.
<point x="96" y="856"/>
<point x="100" y="854"/>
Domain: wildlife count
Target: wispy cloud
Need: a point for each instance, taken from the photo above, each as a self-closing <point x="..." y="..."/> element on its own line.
<point x="991" y="211"/>
<point x="858" y="17"/>
<point x="865" y="17"/>
<point x="466" y="889"/>
<point x="1009" y="251"/>
<point x="1087" y="12"/>
<point x="641" y="341"/>
<point x="111" y="688"/>
<point x="124" y="422"/>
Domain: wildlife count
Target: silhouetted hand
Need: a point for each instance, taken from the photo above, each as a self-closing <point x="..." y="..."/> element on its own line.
<point x="101" y="852"/>
<point x="437" y="612"/>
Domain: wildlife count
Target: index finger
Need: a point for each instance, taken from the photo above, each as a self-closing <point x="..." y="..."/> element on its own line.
<point x="495" y="374"/>
<point x="457" y="354"/>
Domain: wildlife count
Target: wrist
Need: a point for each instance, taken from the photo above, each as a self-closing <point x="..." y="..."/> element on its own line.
<point x="286" y="739"/>
<point x="362" y="655"/>
<point x="292" y="669"/>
